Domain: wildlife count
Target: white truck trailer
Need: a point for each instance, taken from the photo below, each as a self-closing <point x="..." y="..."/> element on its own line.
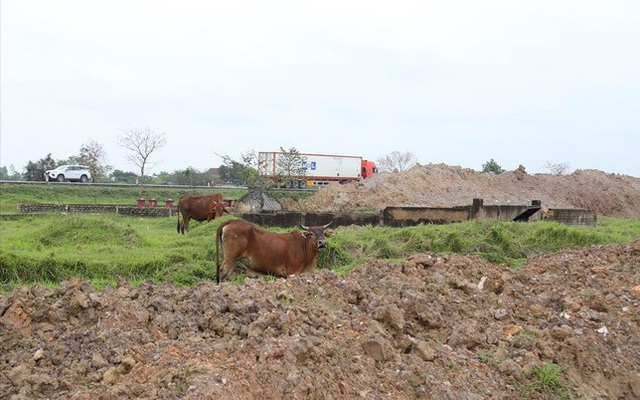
<point x="317" y="169"/>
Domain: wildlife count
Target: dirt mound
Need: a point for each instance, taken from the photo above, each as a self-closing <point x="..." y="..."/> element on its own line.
<point x="431" y="327"/>
<point x="440" y="185"/>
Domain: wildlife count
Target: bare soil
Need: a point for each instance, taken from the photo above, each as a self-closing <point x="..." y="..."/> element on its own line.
<point x="440" y="185"/>
<point x="431" y="327"/>
<point x="453" y="327"/>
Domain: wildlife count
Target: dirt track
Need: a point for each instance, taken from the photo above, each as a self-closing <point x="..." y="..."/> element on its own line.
<point x="431" y="327"/>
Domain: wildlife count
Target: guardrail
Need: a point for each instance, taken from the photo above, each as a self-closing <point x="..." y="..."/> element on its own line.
<point x="127" y="185"/>
<point x="152" y="186"/>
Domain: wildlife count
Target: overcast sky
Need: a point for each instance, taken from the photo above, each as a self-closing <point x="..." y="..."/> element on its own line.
<point x="455" y="82"/>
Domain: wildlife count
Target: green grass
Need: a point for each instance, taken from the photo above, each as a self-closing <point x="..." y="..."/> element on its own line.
<point x="13" y="194"/>
<point x="52" y="248"/>
<point x="546" y="379"/>
<point x="55" y="247"/>
<point x="49" y="248"/>
<point x="511" y="243"/>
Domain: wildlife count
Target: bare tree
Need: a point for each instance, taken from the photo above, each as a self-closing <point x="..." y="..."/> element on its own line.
<point x="557" y="168"/>
<point x="397" y="161"/>
<point x="92" y="154"/>
<point x="141" y="144"/>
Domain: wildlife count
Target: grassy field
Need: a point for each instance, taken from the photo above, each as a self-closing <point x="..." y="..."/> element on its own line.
<point x="50" y="248"/>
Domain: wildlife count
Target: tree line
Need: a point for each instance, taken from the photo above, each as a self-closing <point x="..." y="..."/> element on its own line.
<point x="141" y="145"/>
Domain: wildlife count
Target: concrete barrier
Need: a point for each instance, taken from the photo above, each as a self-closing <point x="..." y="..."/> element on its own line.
<point x="410" y="216"/>
<point x="280" y="219"/>
<point x="98" y="209"/>
<point x="341" y="219"/>
<point x="572" y="216"/>
<point x="390" y="216"/>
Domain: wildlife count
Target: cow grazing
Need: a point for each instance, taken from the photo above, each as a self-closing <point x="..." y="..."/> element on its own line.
<point x="200" y="208"/>
<point x="280" y="254"/>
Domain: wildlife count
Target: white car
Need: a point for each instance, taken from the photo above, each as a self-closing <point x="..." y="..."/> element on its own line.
<point x="72" y="173"/>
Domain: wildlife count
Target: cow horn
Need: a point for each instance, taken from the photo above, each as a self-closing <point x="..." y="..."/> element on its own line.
<point x="305" y="228"/>
<point x="326" y="226"/>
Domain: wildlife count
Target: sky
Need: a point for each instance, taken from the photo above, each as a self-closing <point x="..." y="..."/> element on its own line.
<point x="458" y="82"/>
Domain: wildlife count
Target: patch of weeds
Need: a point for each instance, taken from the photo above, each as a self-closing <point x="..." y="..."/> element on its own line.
<point x="366" y="210"/>
<point x="524" y="340"/>
<point x="26" y="346"/>
<point x="238" y="278"/>
<point x="547" y="380"/>
<point x="285" y="298"/>
<point x="187" y="275"/>
<point x="341" y="353"/>
<point x="454" y="242"/>
<point x="454" y="366"/>
<point x="518" y="263"/>
<point x="486" y="358"/>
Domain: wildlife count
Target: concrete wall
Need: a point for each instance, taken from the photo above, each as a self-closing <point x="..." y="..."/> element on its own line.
<point x="281" y="219"/>
<point x="341" y="219"/>
<point x="409" y="216"/>
<point x="290" y="220"/>
<point x="504" y="213"/>
<point x="98" y="208"/>
<point x="571" y="216"/>
<point x="507" y="212"/>
<point x="391" y="216"/>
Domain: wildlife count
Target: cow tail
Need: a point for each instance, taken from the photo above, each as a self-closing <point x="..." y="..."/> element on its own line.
<point x="218" y="240"/>
<point x="178" y="221"/>
<point x="305" y="250"/>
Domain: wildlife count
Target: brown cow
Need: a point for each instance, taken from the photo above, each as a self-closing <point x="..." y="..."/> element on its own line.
<point x="200" y="208"/>
<point x="280" y="254"/>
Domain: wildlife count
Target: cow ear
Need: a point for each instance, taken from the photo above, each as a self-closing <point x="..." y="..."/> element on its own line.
<point x="330" y="233"/>
<point x="306" y="234"/>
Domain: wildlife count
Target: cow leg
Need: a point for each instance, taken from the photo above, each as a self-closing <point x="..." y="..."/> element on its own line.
<point x="185" y="224"/>
<point x="232" y="253"/>
<point x="231" y="256"/>
<point x="227" y="264"/>
<point x="225" y="268"/>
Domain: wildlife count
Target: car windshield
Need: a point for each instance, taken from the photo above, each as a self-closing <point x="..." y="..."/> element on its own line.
<point x="72" y="167"/>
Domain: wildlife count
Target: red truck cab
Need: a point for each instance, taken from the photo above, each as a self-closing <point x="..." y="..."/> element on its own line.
<point x="368" y="169"/>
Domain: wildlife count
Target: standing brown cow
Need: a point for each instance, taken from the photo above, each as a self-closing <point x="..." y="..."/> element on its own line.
<point x="280" y="254"/>
<point x="200" y="208"/>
